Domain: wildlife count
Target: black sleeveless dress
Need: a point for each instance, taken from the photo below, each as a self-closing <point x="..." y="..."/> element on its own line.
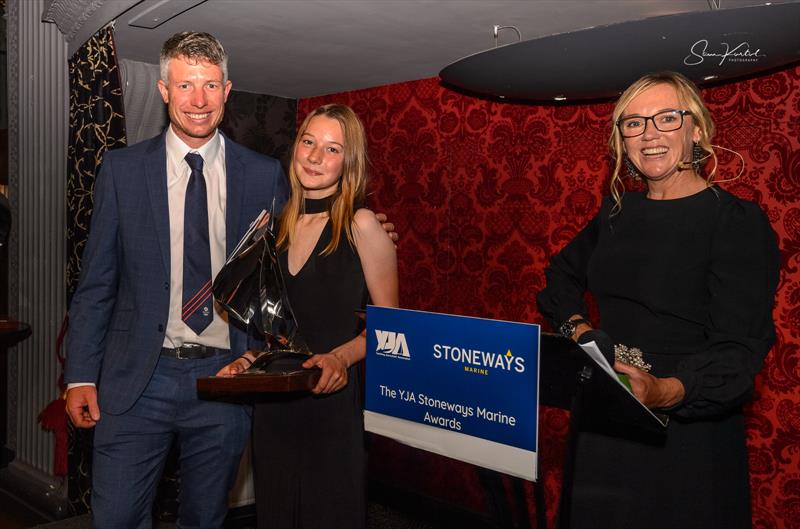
<point x="309" y="456"/>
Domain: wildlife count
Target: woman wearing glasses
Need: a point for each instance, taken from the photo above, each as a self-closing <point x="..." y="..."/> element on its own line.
<point x="687" y="273"/>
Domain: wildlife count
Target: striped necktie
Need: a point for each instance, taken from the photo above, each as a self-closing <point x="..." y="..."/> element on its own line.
<point x="198" y="305"/>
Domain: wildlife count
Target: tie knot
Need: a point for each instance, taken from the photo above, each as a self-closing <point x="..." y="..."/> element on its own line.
<point x="195" y="161"/>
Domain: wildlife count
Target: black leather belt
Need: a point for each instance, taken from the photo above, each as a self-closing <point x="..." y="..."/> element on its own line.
<point x="192" y="352"/>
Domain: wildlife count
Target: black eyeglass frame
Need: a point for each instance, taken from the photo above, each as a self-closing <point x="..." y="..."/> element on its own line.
<point x="681" y="113"/>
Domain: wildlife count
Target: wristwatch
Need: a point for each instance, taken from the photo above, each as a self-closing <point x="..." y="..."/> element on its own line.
<point x="567" y="328"/>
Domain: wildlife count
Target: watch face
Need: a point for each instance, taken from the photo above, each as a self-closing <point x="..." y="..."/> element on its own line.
<point x="567" y="329"/>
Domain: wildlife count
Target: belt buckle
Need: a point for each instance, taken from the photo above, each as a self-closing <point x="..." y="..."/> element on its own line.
<point x="180" y="356"/>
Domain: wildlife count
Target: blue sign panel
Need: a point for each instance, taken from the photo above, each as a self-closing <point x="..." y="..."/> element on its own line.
<point x="470" y="376"/>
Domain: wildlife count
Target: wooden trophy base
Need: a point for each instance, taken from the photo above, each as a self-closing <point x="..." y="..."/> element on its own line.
<point x="244" y="383"/>
<point x="273" y="372"/>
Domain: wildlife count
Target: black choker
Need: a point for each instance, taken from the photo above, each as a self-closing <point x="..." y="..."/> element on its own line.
<point x="317" y="205"/>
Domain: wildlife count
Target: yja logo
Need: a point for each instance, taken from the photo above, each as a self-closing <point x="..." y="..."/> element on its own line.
<point x="392" y="344"/>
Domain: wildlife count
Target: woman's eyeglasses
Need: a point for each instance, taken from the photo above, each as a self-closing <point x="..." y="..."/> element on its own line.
<point x="665" y="121"/>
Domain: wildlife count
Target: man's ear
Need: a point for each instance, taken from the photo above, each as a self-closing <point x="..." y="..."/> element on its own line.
<point x="162" y="88"/>
<point x="228" y="86"/>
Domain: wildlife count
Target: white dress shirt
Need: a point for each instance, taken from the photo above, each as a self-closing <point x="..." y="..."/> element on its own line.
<point x="178" y="172"/>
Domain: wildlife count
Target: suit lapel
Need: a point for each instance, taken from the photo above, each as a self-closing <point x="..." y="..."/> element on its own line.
<point x="156" y="182"/>
<point x="235" y="190"/>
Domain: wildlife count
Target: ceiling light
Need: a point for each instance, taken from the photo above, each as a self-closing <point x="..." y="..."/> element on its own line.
<point x="599" y="62"/>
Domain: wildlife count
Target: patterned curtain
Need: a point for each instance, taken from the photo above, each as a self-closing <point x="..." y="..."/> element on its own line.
<point x="263" y="123"/>
<point x="96" y="125"/>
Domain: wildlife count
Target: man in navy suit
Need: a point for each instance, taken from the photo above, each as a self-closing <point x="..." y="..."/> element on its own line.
<point x="137" y="340"/>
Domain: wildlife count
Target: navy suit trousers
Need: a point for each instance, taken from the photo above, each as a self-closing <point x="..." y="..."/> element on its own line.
<point x="130" y="450"/>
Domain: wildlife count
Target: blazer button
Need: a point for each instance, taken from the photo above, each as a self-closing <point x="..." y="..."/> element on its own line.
<point x="166" y="286"/>
<point x="160" y="327"/>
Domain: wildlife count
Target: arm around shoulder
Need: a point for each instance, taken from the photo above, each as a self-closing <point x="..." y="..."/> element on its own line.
<point x="378" y="258"/>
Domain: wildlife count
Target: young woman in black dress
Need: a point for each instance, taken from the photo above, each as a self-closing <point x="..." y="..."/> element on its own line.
<point x="687" y="273"/>
<point x="308" y="449"/>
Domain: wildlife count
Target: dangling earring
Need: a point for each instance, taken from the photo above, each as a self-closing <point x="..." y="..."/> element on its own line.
<point x="697" y="157"/>
<point x="633" y="172"/>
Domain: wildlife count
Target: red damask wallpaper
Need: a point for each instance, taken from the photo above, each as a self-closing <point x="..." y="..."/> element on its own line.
<point x="484" y="192"/>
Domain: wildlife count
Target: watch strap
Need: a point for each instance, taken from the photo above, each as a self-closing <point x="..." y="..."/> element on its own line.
<point x="567" y="329"/>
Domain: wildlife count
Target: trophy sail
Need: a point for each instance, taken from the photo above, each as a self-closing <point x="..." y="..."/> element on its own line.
<point x="250" y="287"/>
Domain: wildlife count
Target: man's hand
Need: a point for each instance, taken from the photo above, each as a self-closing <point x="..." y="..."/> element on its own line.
<point x="239" y="365"/>
<point x="387" y="226"/>
<point x="82" y="406"/>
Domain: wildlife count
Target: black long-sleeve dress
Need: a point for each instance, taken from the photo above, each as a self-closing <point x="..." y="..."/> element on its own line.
<point x="691" y="282"/>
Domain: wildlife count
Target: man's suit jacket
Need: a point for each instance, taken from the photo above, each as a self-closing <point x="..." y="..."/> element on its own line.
<point x="118" y="313"/>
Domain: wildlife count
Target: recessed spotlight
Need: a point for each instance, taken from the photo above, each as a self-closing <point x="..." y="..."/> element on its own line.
<point x="560" y="98"/>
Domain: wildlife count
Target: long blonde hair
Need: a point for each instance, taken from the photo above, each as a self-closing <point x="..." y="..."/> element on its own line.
<point x="689" y="97"/>
<point x="351" y="190"/>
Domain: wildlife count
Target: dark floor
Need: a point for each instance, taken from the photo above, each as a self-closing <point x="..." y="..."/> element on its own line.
<point x="16" y="514"/>
<point x="388" y="509"/>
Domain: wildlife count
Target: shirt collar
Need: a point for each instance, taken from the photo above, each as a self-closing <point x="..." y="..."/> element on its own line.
<point x="177" y="149"/>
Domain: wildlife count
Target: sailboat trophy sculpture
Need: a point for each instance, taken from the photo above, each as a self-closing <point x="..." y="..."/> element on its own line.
<point x="250" y="287"/>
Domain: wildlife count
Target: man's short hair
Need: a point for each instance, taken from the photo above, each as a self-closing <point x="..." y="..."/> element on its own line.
<point x="194" y="45"/>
